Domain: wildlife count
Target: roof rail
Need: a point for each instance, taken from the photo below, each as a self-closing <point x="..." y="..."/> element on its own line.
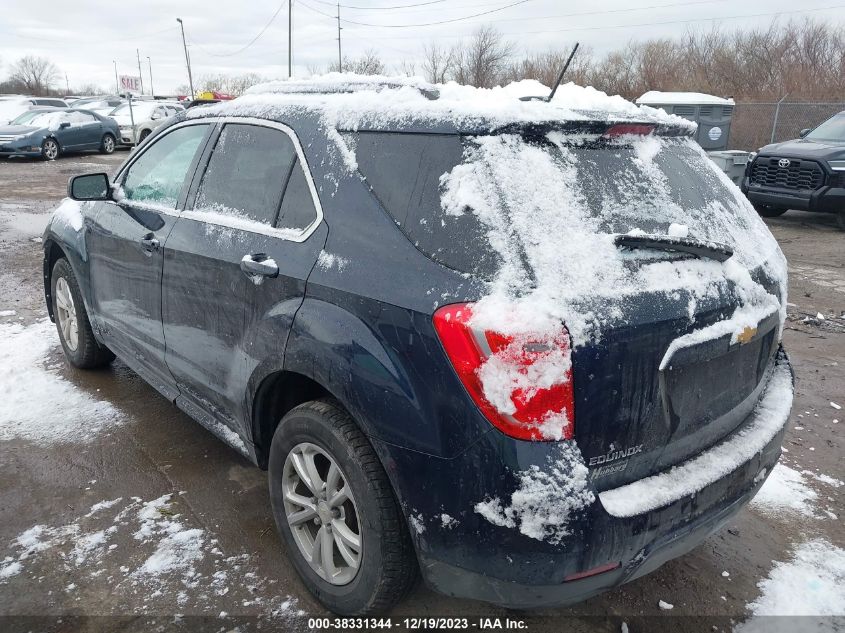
<point x="340" y="83"/>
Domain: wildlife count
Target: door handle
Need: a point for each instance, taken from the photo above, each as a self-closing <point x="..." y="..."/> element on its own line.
<point x="149" y="243"/>
<point x="257" y="266"/>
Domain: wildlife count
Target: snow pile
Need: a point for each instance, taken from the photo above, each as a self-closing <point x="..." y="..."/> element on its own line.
<point x="768" y="418"/>
<point x="351" y="101"/>
<point x="31" y="393"/>
<point x="546" y="498"/>
<point x="810" y="584"/>
<point x="68" y="213"/>
<point x="178" y="548"/>
<point x="785" y="490"/>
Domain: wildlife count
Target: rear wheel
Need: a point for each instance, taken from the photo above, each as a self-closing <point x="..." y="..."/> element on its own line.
<point x="50" y="149"/>
<point x="336" y="512"/>
<point x="107" y="146"/>
<point x="840" y="219"/>
<point x="144" y="134"/>
<point x="769" y="211"/>
<point x="77" y="338"/>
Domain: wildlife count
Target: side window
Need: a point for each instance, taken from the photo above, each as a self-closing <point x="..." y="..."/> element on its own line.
<point x="246" y="174"/>
<point x="159" y="173"/>
<point x="80" y="118"/>
<point x="298" y="210"/>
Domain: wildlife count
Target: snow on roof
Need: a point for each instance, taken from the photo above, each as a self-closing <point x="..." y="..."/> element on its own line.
<point x="351" y="101"/>
<point x="655" y="97"/>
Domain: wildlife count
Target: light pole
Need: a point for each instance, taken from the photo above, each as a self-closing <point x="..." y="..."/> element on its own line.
<point x="140" y="74"/>
<point x="116" y="82"/>
<point x="187" y="59"/>
<point x="290" y="35"/>
<point x="150" y="64"/>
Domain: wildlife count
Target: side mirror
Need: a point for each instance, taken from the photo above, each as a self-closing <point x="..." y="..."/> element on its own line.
<point x="805" y="132"/>
<point x="89" y="187"/>
<point x="64" y="124"/>
<point x="155" y="115"/>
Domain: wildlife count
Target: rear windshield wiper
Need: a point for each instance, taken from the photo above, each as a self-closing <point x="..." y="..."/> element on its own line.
<point x="690" y="246"/>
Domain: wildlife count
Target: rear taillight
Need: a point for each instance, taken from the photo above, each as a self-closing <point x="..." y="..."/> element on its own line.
<point x="626" y="129"/>
<point x="522" y="383"/>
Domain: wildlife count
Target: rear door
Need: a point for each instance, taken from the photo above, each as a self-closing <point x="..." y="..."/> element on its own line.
<point x="235" y="267"/>
<point x="126" y="250"/>
<point x="87" y="130"/>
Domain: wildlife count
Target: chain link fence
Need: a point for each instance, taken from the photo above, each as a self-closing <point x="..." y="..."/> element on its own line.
<point x="757" y="124"/>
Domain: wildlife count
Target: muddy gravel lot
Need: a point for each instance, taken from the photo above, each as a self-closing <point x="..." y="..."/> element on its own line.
<point x="118" y="512"/>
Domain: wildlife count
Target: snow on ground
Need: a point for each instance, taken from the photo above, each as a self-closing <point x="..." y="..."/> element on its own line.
<point x="546" y="499"/>
<point x="31" y="392"/>
<point x="811" y="583"/>
<point x="157" y="551"/>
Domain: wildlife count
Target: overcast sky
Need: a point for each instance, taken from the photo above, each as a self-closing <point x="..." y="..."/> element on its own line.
<point x="83" y="36"/>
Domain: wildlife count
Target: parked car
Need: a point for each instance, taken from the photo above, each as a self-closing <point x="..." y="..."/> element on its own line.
<point x="100" y="105"/>
<point x="147" y="116"/>
<point x="807" y="173"/>
<point x="49" y="132"/>
<point x="13" y="105"/>
<point x="528" y="352"/>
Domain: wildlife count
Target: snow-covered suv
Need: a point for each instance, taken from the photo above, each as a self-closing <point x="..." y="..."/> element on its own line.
<point x="529" y="350"/>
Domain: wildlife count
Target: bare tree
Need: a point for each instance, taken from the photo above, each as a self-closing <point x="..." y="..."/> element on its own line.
<point x="36" y="74"/>
<point x="437" y="64"/>
<point x="483" y="62"/>
<point x="234" y="85"/>
<point x="368" y="64"/>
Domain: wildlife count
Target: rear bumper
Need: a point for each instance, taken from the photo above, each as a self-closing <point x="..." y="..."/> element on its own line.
<point x="824" y="199"/>
<point x="464" y="555"/>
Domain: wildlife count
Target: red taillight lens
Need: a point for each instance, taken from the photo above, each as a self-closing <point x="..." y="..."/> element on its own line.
<point x="528" y="378"/>
<point x="624" y="129"/>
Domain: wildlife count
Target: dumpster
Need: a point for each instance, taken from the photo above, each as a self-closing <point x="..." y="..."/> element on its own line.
<point x="713" y="114"/>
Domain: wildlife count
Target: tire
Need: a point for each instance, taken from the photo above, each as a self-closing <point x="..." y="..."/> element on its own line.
<point x="144" y="135"/>
<point x="840" y="219"/>
<point x="387" y="566"/>
<point x="81" y="348"/>
<point x="50" y="149"/>
<point x="107" y="145"/>
<point x="769" y="212"/>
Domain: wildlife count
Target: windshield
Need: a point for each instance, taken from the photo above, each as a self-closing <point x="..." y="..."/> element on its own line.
<point x="40" y="119"/>
<point x="455" y="196"/>
<point x="139" y="110"/>
<point x="91" y="105"/>
<point x="831" y="130"/>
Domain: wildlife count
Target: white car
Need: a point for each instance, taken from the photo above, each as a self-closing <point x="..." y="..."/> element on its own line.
<point x="100" y="105"/>
<point x="147" y="116"/>
<point x="12" y="106"/>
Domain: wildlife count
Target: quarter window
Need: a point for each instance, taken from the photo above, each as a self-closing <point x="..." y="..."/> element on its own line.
<point x="159" y="173"/>
<point x="247" y="173"/>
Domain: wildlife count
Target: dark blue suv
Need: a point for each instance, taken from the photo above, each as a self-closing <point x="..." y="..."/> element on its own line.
<point x="528" y="350"/>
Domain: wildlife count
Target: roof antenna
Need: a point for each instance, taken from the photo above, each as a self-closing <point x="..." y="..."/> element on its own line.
<point x="557" y="83"/>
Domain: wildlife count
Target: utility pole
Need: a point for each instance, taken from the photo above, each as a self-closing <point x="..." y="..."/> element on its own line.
<point x="116" y="82"/>
<point x="187" y="58"/>
<point x="150" y="64"/>
<point x="140" y="74"/>
<point x="339" y="56"/>
<point x="67" y="84"/>
<point x="290" y="36"/>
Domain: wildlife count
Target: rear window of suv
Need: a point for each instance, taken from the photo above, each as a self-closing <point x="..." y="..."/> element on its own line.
<point x="638" y="183"/>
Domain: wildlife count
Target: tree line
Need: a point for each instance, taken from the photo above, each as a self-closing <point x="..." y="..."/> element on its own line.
<point x="802" y="59"/>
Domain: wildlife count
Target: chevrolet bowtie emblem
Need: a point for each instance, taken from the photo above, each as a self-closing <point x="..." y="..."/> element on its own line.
<point x="746" y="335"/>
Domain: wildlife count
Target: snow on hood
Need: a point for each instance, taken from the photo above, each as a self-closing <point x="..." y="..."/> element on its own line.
<point x="349" y="101"/>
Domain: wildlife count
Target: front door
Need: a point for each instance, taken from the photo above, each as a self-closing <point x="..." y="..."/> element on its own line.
<point x="235" y="268"/>
<point x="126" y="250"/>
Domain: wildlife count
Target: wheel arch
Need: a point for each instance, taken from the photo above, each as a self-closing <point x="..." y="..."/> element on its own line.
<point x="53" y="252"/>
<point x="278" y="393"/>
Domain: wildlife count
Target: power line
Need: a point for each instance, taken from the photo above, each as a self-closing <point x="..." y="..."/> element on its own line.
<point x="398" y="6"/>
<point x="252" y="41"/>
<point x="407" y="26"/>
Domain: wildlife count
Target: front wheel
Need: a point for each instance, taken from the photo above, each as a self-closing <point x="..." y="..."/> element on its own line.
<point x="107" y="146"/>
<point x="144" y="135"/>
<point x="768" y="211"/>
<point x="50" y="149"/>
<point x="840" y="219"/>
<point x="336" y="512"/>
<point x="75" y="334"/>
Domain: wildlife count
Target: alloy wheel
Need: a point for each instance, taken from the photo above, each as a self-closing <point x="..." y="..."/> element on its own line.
<point x="51" y="149"/>
<point x="66" y="314"/>
<point x="108" y="144"/>
<point x="322" y="514"/>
